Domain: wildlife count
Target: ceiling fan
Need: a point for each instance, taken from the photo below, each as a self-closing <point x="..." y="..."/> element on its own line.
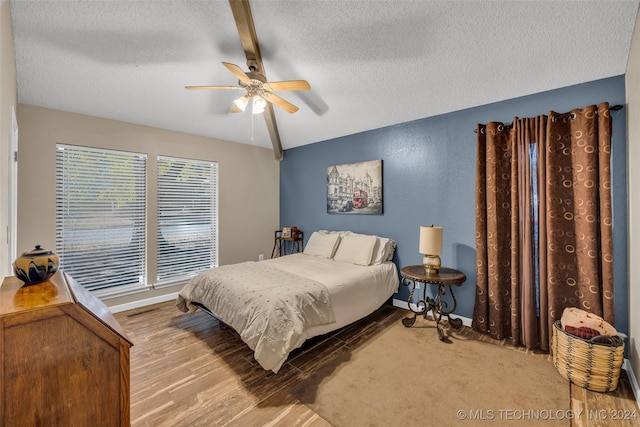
<point x="259" y="90"/>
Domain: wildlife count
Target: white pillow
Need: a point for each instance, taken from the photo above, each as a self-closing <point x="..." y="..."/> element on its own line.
<point x="322" y="245"/>
<point x="356" y="249"/>
<point x="383" y="250"/>
<point x="391" y="248"/>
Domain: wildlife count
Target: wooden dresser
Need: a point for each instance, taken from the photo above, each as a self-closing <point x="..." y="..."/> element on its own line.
<point x="64" y="357"/>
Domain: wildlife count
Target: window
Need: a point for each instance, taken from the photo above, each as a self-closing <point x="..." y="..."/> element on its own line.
<point x="187" y="218"/>
<point x="101" y="217"/>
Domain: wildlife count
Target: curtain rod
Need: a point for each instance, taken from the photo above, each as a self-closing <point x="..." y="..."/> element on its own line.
<point x="562" y="116"/>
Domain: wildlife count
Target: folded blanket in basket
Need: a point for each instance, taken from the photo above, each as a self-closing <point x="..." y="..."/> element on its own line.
<point x="582" y="332"/>
<point x="577" y="318"/>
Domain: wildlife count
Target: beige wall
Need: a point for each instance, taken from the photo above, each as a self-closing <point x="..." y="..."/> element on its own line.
<point x="249" y="197"/>
<point x="7" y="101"/>
<point x="633" y="149"/>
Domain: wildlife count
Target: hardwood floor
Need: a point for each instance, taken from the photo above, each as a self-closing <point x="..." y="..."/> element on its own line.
<point x="191" y="370"/>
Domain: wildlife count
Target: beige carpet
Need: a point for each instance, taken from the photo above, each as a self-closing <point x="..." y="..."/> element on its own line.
<point x="406" y="376"/>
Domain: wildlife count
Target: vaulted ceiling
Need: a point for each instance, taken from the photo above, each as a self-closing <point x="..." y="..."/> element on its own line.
<point x="370" y="64"/>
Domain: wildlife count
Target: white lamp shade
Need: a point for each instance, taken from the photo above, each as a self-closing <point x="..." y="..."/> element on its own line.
<point x="241" y="103"/>
<point x="430" y="240"/>
<point x="258" y="105"/>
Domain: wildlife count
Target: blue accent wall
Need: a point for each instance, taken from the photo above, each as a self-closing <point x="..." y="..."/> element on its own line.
<point x="429" y="178"/>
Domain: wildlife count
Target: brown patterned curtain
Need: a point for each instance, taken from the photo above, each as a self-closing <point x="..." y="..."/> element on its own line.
<point x="579" y="217"/>
<point x="525" y="279"/>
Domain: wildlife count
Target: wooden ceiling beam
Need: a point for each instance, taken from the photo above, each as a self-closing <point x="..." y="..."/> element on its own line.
<point x="249" y="40"/>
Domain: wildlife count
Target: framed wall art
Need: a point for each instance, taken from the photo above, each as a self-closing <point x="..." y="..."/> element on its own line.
<point x="355" y="188"/>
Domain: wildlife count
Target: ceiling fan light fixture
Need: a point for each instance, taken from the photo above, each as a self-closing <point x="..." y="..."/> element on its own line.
<point x="241" y="103"/>
<point x="259" y="105"/>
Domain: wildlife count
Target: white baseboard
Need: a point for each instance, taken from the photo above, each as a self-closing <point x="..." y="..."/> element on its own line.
<point x="143" y="302"/>
<point x="632" y="379"/>
<point x="403" y="304"/>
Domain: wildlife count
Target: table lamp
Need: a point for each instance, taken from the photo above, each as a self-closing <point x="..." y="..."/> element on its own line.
<point x="431" y="247"/>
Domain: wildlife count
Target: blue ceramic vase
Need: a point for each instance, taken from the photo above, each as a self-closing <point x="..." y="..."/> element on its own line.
<point x="36" y="265"/>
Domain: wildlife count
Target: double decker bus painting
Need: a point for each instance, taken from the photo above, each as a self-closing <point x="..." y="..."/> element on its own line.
<point x="355" y="188"/>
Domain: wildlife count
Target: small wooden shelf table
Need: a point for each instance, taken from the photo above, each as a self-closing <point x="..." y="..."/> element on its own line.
<point x="445" y="278"/>
<point x="280" y="243"/>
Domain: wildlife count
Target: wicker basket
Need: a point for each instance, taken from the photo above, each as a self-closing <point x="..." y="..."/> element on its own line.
<point x="589" y="364"/>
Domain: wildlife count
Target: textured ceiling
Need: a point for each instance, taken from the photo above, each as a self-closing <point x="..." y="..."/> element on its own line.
<point x="369" y="63"/>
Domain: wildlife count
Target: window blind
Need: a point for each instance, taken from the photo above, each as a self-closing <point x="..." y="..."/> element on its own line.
<point x="187" y="218"/>
<point x="101" y="216"/>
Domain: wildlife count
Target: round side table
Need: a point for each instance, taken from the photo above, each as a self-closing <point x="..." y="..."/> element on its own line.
<point x="444" y="278"/>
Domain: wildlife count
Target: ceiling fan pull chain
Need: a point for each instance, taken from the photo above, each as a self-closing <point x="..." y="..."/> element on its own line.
<point x="252" y="126"/>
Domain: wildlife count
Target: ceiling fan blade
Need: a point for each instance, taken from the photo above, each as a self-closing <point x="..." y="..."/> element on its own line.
<point x="237" y="71"/>
<point x="288" y="85"/>
<point x="211" y="87"/>
<point x="276" y="100"/>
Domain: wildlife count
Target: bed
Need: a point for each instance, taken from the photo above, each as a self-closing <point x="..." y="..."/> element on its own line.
<point x="277" y="304"/>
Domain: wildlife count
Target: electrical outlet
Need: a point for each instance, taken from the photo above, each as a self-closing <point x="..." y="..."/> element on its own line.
<point x="261" y="257"/>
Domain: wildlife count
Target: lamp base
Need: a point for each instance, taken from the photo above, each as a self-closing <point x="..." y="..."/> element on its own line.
<point x="431" y="263"/>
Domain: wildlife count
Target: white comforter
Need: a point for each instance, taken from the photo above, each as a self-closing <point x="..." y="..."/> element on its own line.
<point x="277" y="304"/>
<point x="269" y="307"/>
